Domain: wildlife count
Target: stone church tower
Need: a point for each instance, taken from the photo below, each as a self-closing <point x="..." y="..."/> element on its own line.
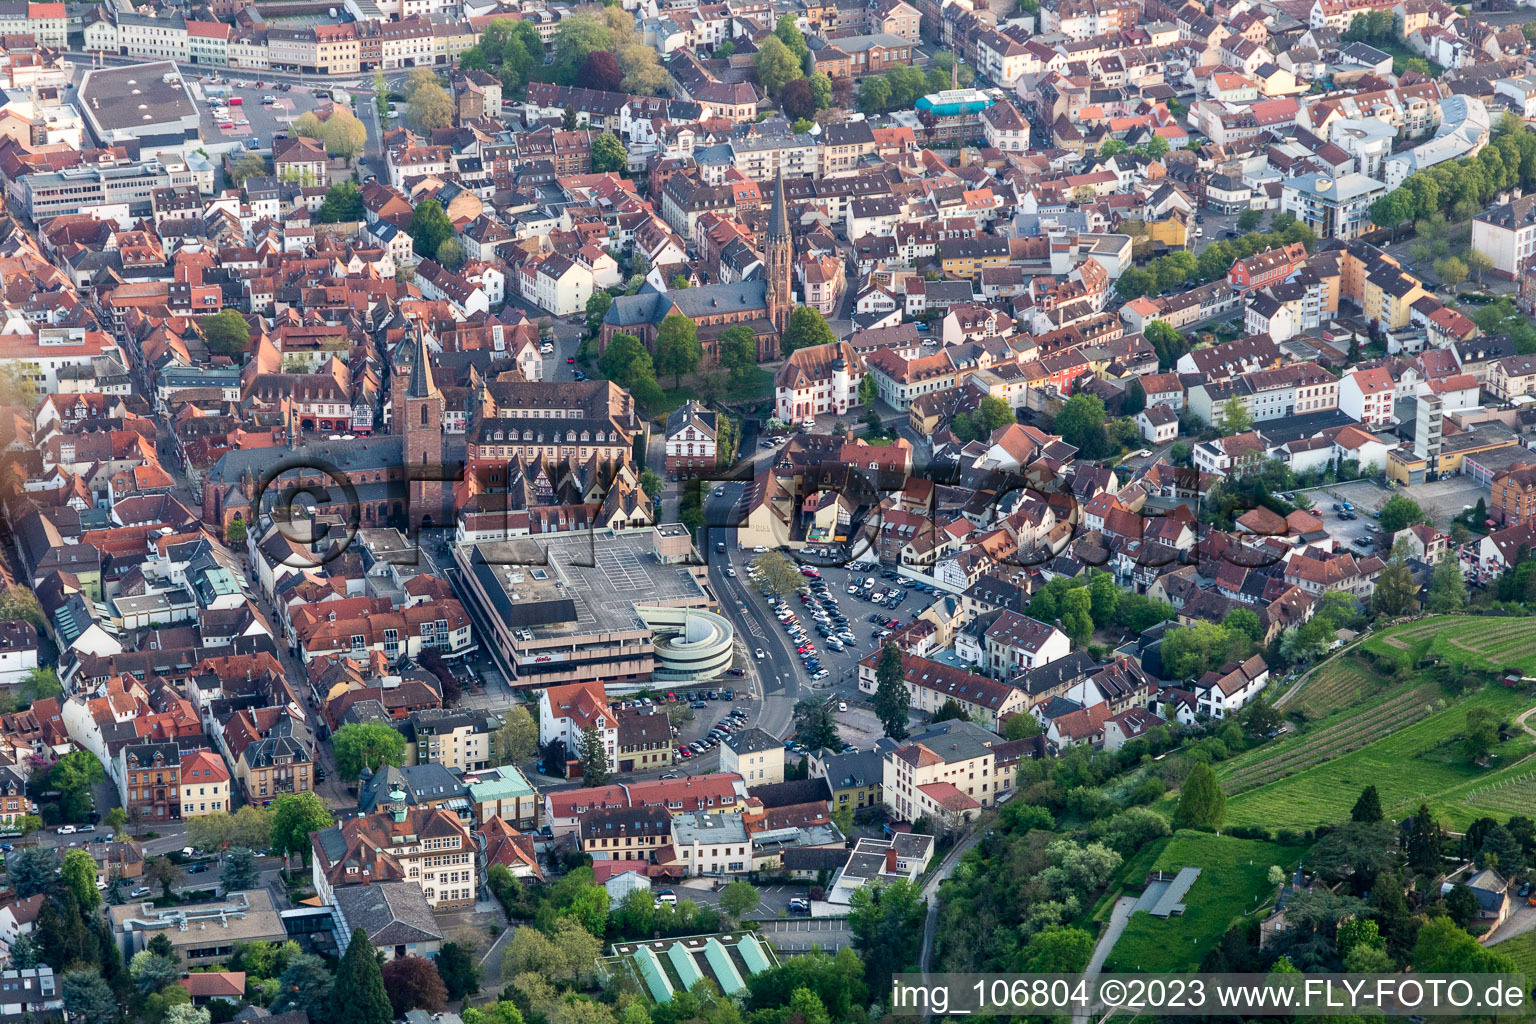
<point x="418" y="407"/>
<point x="779" y="260"/>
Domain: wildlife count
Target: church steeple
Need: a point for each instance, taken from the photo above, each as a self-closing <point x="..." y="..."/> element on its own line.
<point x="779" y="258"/>
<point x="421" y="383"/>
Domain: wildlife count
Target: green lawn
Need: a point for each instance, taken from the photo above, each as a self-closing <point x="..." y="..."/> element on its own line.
<point x="1421" y="761"/>
<point x="1234" y="880"/>
<point x="758" y="387"/>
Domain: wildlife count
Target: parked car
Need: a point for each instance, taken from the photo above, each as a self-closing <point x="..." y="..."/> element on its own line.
<point x="139" y="893"/>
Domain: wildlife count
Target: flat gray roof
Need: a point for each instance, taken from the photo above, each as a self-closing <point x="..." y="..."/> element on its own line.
<point x="589" y="582"/>
<point x="135" y="97"/>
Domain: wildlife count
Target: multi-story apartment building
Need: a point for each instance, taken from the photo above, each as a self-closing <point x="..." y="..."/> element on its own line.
<point x="1506" y="235"/>
<point x="208" y="43"/>
<point x="462" y="741"/>
<point x="624" y="833"/>
<point x="141" y="35"/>
<point x="47" y="23"/>
<point x="1332" y="207"/>
<point x="150" y="780"/>
<point x="946" y="774"/>
<point x="425" y="845"/>
<point x="204" y="784"/>
<point x="754" y="755"/>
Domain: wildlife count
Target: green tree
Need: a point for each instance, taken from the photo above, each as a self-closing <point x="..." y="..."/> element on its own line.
<point x="626" y="362"/>
<point x="79" y="874"/>
<point x="40" y="684"/>
<point x="343" y="203"/>
<point x="226" y="333"/>
<point x="677" y="347"/>
<point x="450" y="254"/>
<point x="1398" y="513"/>
<point x="366" y="745"/>
<point x="240" y="871"/>
<point x="429" y="107"/>
<point x="1056" y="950"/>
<point x="460" y="972"/>
<point x="595" y="768"/>
<point x="294" y="817"/>
<point x="886" y="923"/>
<point x="1202" y="802"/>
<point x="1235" y="417"/>
<point x="1020" y="726"/>
<point x="1368" y="807"/>
<point x="821" y="90"/>
<point x="597" y="309"/>
<point x="737" y="349"/>
<point x="1451" y="271"/>
<point x="874" y="95"/>
<point x="305" y="985"/>
<point x="151" y="971"/>
<point x="1191" y="652"/>
<point x="31" y="870"/>
<point x="608" y="154"/>
<point x="1395" y="593"/>
<point x="1081" y="424"/>
<point x="814" y="725"/>
<point x="1444" y="948"/>
<point x="235" y="533"/>
<point x="87" y="996"/>
<point x="1077" y="615"/>
<point x="1424" y="844"/>
<point x="892" y="699"/>
<point x="1248" y="220"/>
<point x="430" y="228"/>
<point x="248" y="165"/>
<point x="1482" y="732"/>
<point x="343" y="134"/>
<point x="777" y="575"/>
<point x="738" y="898"/>
<point x="776" y="65"/>
<point x="807" y="327"/>
<point x="518" y="738"/>
<point x="358" y="995"/>
<point x="1447" y="587"/>
<point x="1169" y="344"/>
<point x="868" y="391"/>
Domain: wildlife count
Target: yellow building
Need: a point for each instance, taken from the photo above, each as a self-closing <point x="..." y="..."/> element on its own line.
<point x="754" y="755"/>
<point x="1388" y="296"/>
<point x="853" y="778"/>
<point x="204" y="784"/>
<point x="965" y="257"/>
<point x="462" y="741"/>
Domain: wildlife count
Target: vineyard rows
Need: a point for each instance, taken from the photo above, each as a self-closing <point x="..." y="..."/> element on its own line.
<point x="1344" y="682"/>
<point x="1516" y="796"/>
<point x="1331" y="742"/>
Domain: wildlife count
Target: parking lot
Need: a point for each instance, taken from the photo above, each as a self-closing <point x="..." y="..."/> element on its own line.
<point x="1443" y="500"/>
<point x="261" y="120"/>
<point x="857" y="724"/>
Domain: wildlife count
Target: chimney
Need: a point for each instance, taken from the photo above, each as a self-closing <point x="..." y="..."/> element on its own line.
<point x="890" y="861"/>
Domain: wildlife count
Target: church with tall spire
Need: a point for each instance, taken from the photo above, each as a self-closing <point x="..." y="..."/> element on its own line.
<point x="779" y="259"/>
<point x="418" y="411"/>
<point x="763" y="302"/>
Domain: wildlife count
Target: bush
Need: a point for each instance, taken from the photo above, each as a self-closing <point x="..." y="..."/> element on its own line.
<point x="1251" y="832"/>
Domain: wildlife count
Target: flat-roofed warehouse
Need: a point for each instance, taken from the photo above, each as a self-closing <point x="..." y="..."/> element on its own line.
<point x="621" y="607"/>
<point x="147" y="104"/>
